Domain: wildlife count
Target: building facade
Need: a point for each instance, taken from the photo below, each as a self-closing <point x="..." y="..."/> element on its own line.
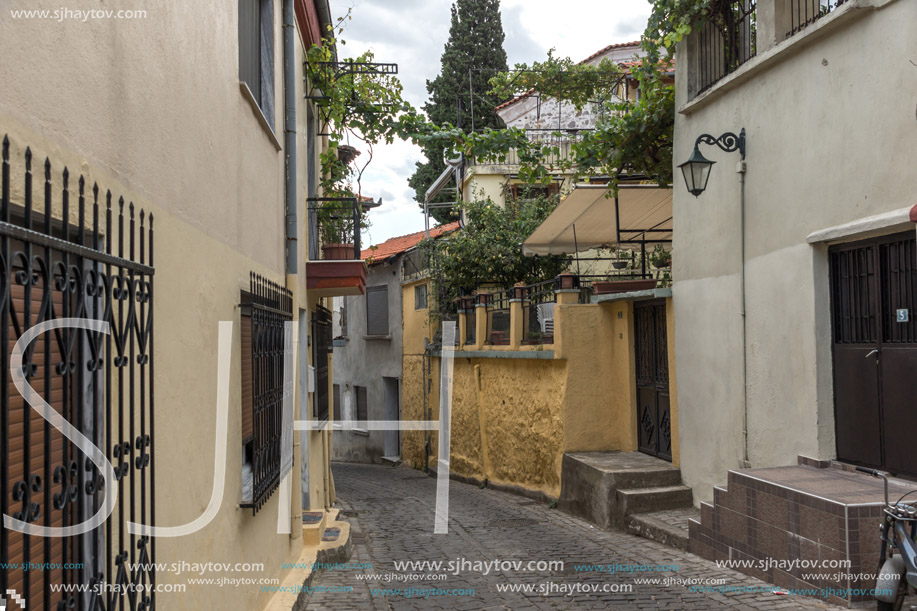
<point x="788" y="294"/>
<point x="184" y="118"/>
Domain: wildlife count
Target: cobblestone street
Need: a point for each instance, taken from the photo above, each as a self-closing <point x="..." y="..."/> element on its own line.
<point x="391" y="513"/>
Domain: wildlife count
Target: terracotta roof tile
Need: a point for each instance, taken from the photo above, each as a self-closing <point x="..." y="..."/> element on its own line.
<point x="399" y="244"/>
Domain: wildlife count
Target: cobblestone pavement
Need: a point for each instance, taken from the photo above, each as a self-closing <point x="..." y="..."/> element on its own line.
<point x="391" y="513"/>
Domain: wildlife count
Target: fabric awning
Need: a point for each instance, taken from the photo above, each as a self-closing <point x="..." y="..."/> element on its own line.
<point x="640" y="213"/>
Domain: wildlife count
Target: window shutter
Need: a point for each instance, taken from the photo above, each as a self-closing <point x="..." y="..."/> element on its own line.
<point x="377" y="310"/>
<point x="336" y="402"/>
<point x="267" y="60"/>
<point x="362" y="408"/>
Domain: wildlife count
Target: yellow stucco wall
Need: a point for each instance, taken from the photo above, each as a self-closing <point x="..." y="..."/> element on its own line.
<point x="513" y="418"/>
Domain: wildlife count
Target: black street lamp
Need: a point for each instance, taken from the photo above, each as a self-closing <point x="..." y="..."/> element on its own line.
<point x="696" y="169"/>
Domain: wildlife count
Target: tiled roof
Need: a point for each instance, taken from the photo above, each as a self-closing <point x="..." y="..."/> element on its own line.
<point x="397" y="245"/>
<point x="591" y="57"/>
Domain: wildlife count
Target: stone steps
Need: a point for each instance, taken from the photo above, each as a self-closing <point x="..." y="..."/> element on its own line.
<point x="669" y="527"/>
<point x="608" y="487"/>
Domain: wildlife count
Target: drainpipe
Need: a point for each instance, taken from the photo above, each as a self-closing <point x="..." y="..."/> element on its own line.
<point x="291" y="223"/>
<point x="289" y="133"/>
<point x="740" y="168"/>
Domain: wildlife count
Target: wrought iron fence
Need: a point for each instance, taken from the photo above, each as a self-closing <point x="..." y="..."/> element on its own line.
<point x="469" y="311"/>
<point x="337" y="223"/>
<point x="807" y="12"/>
<point x="498" y="317"/>
<point x="270" y="306"/>
<point x="56" y="264"/>
<point x="538" y="302"/>
<point x="727" y="40"/>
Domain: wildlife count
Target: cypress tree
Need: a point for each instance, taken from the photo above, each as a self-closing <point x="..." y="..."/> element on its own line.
<point x="473" y="54"/>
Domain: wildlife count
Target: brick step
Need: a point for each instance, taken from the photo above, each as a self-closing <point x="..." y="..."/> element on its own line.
<point x="668" y="527"/>
<point x="646" y="500"/>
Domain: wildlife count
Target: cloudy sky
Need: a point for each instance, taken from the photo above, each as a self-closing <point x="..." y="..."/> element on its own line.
<point x="412" y="34"/>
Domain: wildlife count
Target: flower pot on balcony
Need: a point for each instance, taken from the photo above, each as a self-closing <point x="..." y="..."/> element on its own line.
<point x="337" y="252"/>
<point x="623" y="286"/>
<point x="620" y="264"/>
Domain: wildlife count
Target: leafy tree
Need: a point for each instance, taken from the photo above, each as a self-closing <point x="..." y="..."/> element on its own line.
<point x="487" y="250"/>
<point x="473" y="53"/>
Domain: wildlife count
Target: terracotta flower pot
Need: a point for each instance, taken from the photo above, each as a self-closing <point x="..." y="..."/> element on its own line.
<point x="337" y="252"/>
<point x="622" y="286"/>
<point x="566" y="281"/>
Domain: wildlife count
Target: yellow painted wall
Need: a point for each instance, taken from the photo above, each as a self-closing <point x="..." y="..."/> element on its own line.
<point x="513" y="418"/>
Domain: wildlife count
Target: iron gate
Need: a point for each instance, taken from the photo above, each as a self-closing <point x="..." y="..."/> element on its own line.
<point x="58" y="263"/>
<point x="654" y="426"/>
<point x="873" y="300"/>
<point x="321" y="345"/>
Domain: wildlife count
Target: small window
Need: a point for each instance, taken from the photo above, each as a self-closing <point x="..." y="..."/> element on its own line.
<point x="420" y="297"/>
<point x="377" y="310"/>
<point x="362" y="408"/>
<point x="523" y="191"/>
<point x="336" y="402"/>
<point x="256" y="53"/>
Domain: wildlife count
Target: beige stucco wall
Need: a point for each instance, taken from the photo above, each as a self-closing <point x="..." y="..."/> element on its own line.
<point x="152" y="109"/>
<point x="830" y="123"/>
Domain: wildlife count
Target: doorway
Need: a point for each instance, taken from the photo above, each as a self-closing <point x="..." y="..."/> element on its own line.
<point x="391" y="411"/>
<point x="874" y="349"/>
<point x="654" y="425"/>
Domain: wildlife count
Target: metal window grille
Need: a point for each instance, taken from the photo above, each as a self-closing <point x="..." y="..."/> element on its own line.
<point x="727" y="40"/>
<point x="806" y="12"/>
<point x="270" y="306"/>
<point x="377" y="310"/>
<point x="66" y="263"/>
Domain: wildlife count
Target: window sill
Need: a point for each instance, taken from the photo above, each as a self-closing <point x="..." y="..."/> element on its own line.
<point x="377" y="337"/>
<point x="783" y="50"/>
<point x="262" y="120"/>
<point x="360" y="432"/>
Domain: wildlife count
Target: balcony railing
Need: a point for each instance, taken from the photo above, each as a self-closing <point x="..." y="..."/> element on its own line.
<point x="334" y="228"/>
<point x="727" y="40"/>
<point x="807" y="12"/>
<point x="557" y="146"/>
<point x="538" y="302"/>
<point x="498" y="316"/>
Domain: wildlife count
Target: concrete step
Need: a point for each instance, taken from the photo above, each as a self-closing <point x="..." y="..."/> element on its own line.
<point x="646" y="500"/>
<point x="668" y="527"/>
<point x="391" y="460"/>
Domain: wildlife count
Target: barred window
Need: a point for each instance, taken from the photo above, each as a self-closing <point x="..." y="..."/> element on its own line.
<point x="266" y="309"/>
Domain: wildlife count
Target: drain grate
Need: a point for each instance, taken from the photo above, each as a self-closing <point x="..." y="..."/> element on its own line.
<point x="512" y="523"/>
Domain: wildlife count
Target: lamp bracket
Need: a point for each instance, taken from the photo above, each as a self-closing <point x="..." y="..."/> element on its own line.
<point x="728" y="142"/>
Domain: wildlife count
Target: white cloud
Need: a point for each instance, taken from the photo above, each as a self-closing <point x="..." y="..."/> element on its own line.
<point x="412" y="34"/>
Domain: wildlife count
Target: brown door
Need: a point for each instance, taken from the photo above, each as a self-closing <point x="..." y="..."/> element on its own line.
<point x="654" y="430"/>
<point x="873" y="289"/>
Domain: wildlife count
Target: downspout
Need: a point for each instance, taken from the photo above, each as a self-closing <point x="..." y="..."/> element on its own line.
<point x="740" y="168"/>
<point x="289" y="134"/>
<point x="291" y="224"/>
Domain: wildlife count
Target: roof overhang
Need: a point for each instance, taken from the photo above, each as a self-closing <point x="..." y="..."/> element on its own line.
<point x="590" y="218"/>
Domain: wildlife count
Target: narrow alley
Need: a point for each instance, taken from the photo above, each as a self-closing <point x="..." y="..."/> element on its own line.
<point x="391" y="515"/>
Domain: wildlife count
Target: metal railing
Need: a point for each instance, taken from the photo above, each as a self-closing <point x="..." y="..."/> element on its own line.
<point x="498" y="317"/>
<point x="538" y="302"/>
<point x="807" y="12"/>
<point x="335" y="224"/>
<point x="727" y="40"/>
<point x="557" y="147"/>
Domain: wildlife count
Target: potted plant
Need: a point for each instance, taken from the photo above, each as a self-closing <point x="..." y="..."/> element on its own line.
<point x="660" y="258"/>
<point x="623" y="259"/>
<point x="339" y="224"/>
